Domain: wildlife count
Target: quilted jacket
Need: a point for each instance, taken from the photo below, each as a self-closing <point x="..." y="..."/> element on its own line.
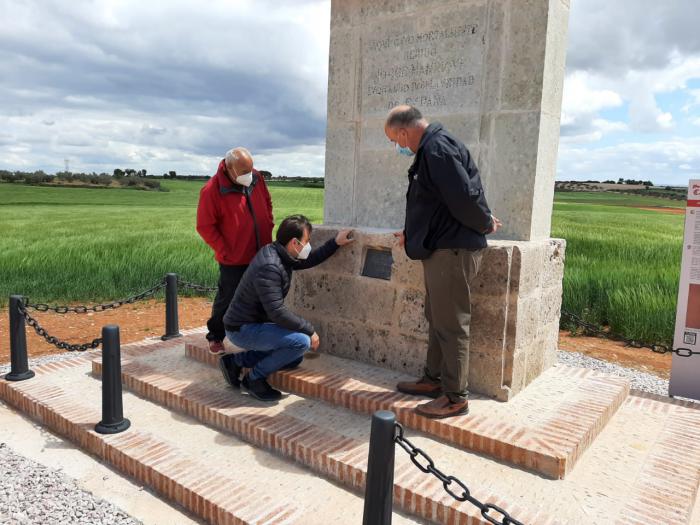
<point x="265" y="284"/>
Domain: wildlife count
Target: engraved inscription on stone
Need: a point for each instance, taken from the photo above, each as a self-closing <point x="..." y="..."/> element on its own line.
<point x="433" y="61"/>
<point x="378" y="264"/>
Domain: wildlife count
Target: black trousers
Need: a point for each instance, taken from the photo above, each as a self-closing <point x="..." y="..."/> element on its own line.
<point x="229" y="277"/>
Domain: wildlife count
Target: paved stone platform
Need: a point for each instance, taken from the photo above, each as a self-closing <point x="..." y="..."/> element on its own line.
<point x="312" y="434"/>
<point x="214" y="476"/>
<point x="545" y="429"/>
<point x="643" y="467"/>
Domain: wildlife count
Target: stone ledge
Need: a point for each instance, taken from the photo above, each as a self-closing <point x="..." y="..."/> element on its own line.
<point x="515" y="307"/>
<point x="335" y="456"/>
<point x="550" y="446"/>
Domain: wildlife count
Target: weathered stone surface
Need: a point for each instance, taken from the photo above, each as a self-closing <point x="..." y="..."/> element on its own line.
<point x="489" y="70"/>
<point x="345" y="296"/>
<point x="411" y="305"/>
<point x="553" y="268"/>
<point x="513" y="166"/>
<point x="339" y="192"/>
<point x="372" y="345"/>
<point x="523" y="63"/>
<point x="513" y="334"/>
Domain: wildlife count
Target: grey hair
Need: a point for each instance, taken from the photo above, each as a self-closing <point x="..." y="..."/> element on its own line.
<point x="233" y="155"/>
<point x="406" y="118"/>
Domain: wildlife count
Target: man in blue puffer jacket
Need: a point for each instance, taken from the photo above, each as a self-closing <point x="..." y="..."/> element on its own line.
<point x="258" y="321"/>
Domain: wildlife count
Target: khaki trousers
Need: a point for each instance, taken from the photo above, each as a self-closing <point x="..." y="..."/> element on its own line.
<point x="448" y="275"/>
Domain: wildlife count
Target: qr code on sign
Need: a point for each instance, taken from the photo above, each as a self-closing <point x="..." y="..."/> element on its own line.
<point x="689" y="338"/>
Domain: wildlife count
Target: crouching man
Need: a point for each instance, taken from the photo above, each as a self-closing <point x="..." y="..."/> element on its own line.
<point x="257" y="320"/>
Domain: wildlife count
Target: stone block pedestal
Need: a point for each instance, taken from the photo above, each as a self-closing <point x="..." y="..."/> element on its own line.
<point x="516" y="302"/>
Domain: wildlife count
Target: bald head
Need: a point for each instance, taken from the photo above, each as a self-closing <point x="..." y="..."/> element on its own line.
<point x="404" y="116"/>
<point x="239" y="161"/>
<point x="405" y="126"/>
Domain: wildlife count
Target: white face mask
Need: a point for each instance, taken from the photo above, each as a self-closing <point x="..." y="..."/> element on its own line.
<point x="245" y="180"/>
<point x="305" y="251"/>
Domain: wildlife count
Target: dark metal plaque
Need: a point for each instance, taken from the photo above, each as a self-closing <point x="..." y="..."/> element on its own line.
<point x="378" y="264"/>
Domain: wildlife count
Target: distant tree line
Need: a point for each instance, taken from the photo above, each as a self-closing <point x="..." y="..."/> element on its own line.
<point x="132" y="178"/>
<point x="37" y="178"/>
<point x="630" y="182"/>
<point x="648" y="189"/>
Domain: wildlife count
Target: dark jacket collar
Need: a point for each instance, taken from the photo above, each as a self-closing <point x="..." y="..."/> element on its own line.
<point x="286" y="259"/>
<point x="428" y="134"/>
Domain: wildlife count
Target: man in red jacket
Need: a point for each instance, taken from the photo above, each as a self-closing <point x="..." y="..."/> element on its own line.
<point x="234" y="217"/>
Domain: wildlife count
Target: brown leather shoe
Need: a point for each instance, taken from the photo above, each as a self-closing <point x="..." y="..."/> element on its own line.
<point x="443" y="407"/>
<point x="422" y="387"/>
<point x="216" y="348"/>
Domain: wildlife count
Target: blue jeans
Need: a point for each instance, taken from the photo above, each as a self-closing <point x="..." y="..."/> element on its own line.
<point x="268" y="347"/>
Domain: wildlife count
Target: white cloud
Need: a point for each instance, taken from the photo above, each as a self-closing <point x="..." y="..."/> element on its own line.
<point x="165" y="84"/>
<point x="694" y="95"/>
<point x="628" y="51"/>
<point x="609" y="126"/>
<point x="172" y="85"/>
<point x="672" y="161"/>
<point x="581" y="98"/>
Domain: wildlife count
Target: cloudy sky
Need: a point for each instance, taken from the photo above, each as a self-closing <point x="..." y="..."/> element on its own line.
<point x="172" y="85"/>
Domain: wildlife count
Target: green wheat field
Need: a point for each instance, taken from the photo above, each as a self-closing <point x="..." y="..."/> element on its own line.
<point x="61" y="245"/>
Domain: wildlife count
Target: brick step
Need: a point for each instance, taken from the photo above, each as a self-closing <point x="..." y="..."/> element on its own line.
<point x="546" y="428"/>
<point x="216" y="477"/>
<point x="197" y="390"/>
<point x="643" y="468"/>
<point x="158" y="464"/>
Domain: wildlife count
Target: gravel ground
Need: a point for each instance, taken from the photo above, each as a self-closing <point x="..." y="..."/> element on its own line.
<point x="5" y="368"/>
<point x="32" y="493"/>
<point x="638" y="380"/>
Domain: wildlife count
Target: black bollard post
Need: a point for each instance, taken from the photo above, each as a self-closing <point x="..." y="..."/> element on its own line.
<point x="172" y="325"/>
<point x="113" y="420"/>
<point x="19" y="363"/>
<point x="379" y="489"/>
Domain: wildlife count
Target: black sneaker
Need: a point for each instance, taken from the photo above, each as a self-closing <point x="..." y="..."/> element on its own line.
<point x="231" y="371"/>
<point x="260" y="389"/>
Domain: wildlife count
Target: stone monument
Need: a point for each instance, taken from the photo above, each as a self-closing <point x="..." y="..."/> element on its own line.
<point x="492" y="72"/>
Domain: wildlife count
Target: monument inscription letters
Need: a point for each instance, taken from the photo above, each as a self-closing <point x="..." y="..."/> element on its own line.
<point x="433" y="61"/>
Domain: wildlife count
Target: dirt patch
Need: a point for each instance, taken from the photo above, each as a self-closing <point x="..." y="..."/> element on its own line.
<point x="147" y="319"/>
<point x="662" y="209"/>
<point x="136" y="322"/>
<point x="616" y="352"/>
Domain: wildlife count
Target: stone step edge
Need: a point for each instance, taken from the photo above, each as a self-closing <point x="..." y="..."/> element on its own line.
<point x="330" y="454"/>
<point x="552" y="450"/>
<point x="507" y="442"/>
<point x="154" y="463"/>
<point x="667" y="485"/>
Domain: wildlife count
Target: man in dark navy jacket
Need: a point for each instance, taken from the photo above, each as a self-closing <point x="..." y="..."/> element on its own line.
<point x="234" y="217"/>
<point x="447" y="220"/>
<point x="259" y="322"/>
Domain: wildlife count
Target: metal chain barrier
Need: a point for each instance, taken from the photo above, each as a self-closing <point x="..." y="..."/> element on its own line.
<point x="81" y="309"/>
<point x="597" y="330"/>
<point x="196" y="287"/>
<point x="453" y="486"/>
<point x="63" y="345"/>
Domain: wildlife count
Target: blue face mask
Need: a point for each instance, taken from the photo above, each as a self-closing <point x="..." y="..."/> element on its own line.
<point x="403" y="150"/>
